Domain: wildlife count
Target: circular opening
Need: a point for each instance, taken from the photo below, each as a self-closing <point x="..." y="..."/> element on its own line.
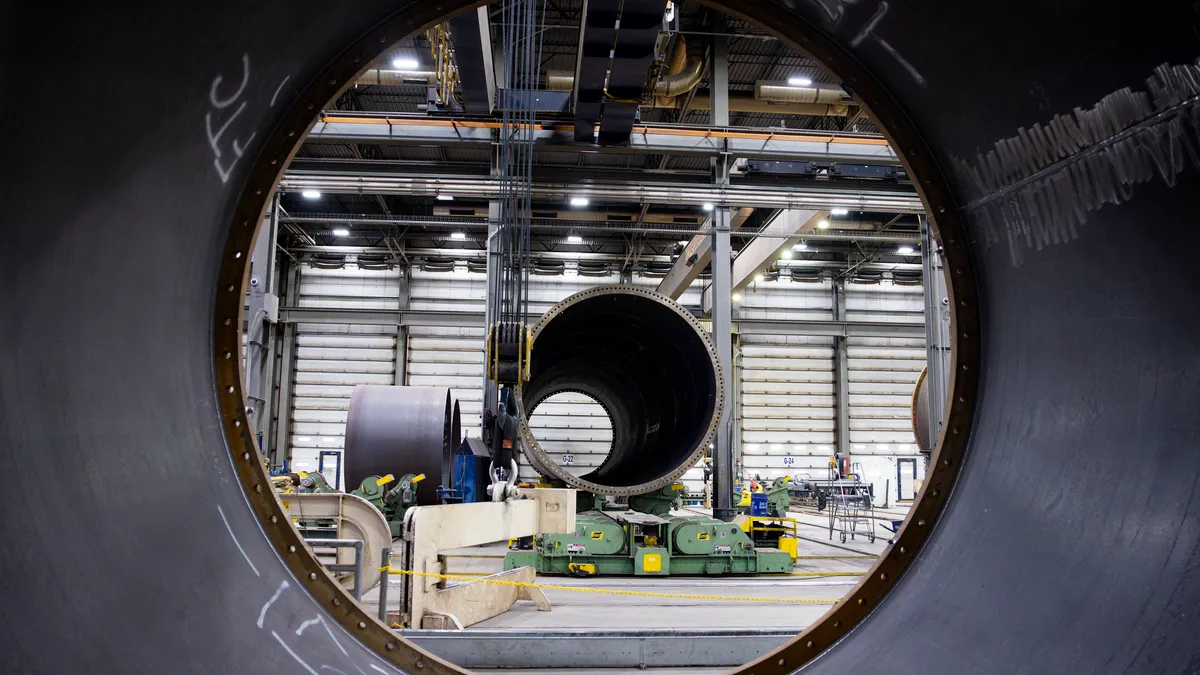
<point x="650" y="367"/>
<point x="873" y="99"/>
<point x="574" y="429"/>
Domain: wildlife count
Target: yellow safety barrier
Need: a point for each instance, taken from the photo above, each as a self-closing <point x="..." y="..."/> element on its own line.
<point x="611" y="591"/>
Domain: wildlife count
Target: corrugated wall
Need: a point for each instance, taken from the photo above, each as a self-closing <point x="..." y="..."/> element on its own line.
<point x="331" y="359"/>
<point x="787" y="383"/>
<point x="883" y="372"/>
<point x="784" y="383"/>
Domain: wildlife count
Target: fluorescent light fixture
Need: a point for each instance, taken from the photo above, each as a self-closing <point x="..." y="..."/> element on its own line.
<point x="303" y="439"/>
<point x="799" y="81"/>
<point x="683" y="242"/>
<point x="574" y="239"/>
<point x="311" y="194"/>
<point x="839" y="211"/>
<point x="341" y="232"/>
<point x="799" y="247"/>
<point x="737" y="297"/>
<point x="905" y="250"/>
<point x="405" y="63"/>
<point x="458" y="235"/>
<point x="823" y="225"/>
<point x="579" y="201"/>
<point x="787" y="255"/>
<point x="758" y="277"/>
<point x="445" y="198"/>
<point x="708" y="207"/>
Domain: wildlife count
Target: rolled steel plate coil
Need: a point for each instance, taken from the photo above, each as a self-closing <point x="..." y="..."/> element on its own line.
<point x="399" y="430"/>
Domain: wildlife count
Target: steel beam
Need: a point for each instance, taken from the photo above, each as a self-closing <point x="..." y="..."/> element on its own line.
<point x="829" y="328"/>
<point x="472" y="37"/>
<point x="722" y="317"/>
<point x="719" y="77"/>
<point x="776" y="235"/>
<point x="379" y="317"/>
<point x="841" y="370"/>
<point x="812" y="196"/>
<point x="645" y="139"/>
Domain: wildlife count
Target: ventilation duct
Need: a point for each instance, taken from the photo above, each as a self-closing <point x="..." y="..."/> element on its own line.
<point x="398" y="78"/>
<point x="782" y="92"/>
<point x="749" y="104"/>
<point x="683" y="72"/>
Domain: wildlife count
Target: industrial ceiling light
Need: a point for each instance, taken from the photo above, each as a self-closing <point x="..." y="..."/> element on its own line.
<point x="708" y="207"/>
<point x="574" y="239"/>
<point x="737" y="297"/>
<point x="799" y="247"/>
<point x="683" y="242"/>
<point x="799" y="81"/>
<point x="787" y="255"/>
<point x="405" y="63"/>
<point x="824" y="225"/>
<point x="458" y="235"/>
<point x="905" y="250"/>
<point x="839" y="211"/>
<point x="445" y="198"/>
<point x="341" y="232"/>
<point x="758" y="277"/>
<point x="311" y="194"/>
<point x="579" y="201"/>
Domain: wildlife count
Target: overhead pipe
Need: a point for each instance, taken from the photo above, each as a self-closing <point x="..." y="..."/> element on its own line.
<point x="397" y="78"/>
<point x="683" y="74"/>
<point x="782" y="92"/>
<point x="752" y="105"/>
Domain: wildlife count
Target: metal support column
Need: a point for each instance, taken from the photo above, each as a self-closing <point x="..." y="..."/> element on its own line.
<point x="262" y="315"/>
<point x="490" y="392"/>
<point x="722" y="327"/>
<point x="937" y="328"/>
<point x="281" y="454"/>
<point x="720" y="79"/>
<point x="841" y="368"/>
<point x="400" y="376"/>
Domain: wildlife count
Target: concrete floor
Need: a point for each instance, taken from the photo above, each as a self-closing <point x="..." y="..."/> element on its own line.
<point x="825" y="571"/>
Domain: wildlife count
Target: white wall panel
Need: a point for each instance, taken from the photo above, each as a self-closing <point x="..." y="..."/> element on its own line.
<point x="883" y="373"/>
<point x="332" y="359"/>
<point x="787" y="394"/>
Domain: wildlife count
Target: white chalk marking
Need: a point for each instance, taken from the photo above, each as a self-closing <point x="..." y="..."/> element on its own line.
<point x="292" y="653"/>
<point x="279" y="89"/>
<point x="306" y="624"/>
<point x="262" y="615"/>
<point x="237" y="543"/>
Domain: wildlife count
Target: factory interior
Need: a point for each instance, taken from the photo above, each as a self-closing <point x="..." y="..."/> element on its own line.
<point x="609" y="336"/>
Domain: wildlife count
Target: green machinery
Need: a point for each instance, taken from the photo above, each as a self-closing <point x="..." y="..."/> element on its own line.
<point x="634" y="543"/>
<point x="392" y="502"/>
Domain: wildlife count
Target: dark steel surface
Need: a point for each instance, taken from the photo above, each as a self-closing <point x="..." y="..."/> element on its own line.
<point x="401" y="430"/>
<point x="1072" y="539"/>
<point x="648" y="363"/>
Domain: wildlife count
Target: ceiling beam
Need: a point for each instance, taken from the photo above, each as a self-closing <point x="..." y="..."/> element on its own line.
<point x="646" y="139"/>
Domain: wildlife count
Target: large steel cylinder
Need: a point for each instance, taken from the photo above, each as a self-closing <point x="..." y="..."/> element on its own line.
<point x="401" y="430"/>
<point x="649" y="363"/>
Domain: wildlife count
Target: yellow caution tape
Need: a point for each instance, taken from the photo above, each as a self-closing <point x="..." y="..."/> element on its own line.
<point x="609" y="591"/>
